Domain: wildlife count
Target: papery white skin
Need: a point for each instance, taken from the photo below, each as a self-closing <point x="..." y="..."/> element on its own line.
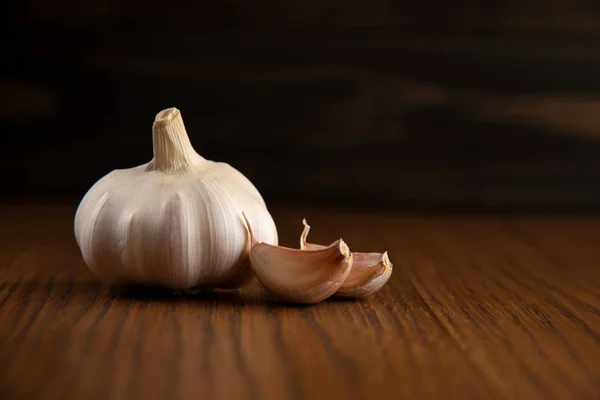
<point x="174" y="222"/>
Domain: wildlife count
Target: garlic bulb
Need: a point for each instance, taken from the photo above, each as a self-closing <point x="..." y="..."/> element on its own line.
<point x="174" y="222"/>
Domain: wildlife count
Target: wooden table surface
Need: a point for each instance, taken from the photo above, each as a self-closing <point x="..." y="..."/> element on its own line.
<point x="477" y="307"/>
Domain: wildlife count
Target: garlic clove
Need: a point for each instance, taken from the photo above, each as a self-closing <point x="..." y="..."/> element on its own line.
<point x="369" y="272"/>
<point x="300" y="276"/>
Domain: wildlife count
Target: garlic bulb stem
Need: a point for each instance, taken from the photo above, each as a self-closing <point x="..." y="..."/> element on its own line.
<point x="173" y="150"/>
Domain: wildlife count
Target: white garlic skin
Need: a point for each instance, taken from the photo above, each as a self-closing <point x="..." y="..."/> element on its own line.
<point x="175" y="222"/>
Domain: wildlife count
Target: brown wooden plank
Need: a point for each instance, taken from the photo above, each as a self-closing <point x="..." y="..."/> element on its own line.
<point x="477" y="307"/>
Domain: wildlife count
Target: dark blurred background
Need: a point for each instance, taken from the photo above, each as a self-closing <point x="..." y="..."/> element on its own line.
<point x="442" y="104"/>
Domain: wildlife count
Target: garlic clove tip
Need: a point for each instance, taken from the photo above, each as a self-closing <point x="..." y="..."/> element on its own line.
<point x="249" y="230"/>
<point x="304" y="245"/>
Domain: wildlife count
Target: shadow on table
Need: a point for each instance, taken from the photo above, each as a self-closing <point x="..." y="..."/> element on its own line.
<point x="252" y="295"/>
<point x="63" y="290"/>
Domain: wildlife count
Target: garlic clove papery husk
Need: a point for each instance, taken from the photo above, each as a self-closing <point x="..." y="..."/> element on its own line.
<point x="370" y="271"/>
<point x="174" y="222"/>
<point x="297" y="275"/>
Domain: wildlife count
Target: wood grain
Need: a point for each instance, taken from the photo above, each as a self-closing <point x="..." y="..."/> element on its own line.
<point x="500" y="306"/>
